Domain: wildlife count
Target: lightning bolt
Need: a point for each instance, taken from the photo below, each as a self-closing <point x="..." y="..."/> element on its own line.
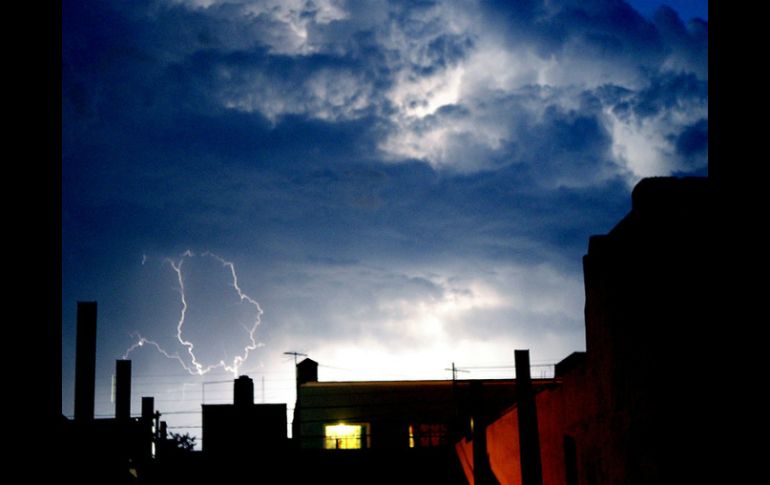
<point x="198" y="368"/>
<point x="141" y="343"/>
<point x="240" y="359"/>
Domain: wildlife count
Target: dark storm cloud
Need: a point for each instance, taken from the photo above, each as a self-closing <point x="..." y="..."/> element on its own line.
<point x="687" y="43"/>
<point x="692" y="142"/>
<point x="159" y="110"/>
<point x="369" y="166"/>
<point x="608" y="29"/>
<point x="668" y="91"/>
<point x="374" y="66"/>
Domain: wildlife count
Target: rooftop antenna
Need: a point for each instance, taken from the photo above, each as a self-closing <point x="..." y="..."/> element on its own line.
<point x="295" y="354"/>
<point x="296" y="372"/>
<point x="455" y="370"/>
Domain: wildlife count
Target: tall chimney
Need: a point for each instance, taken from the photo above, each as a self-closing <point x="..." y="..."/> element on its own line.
<point x="529" y="439"/>
<point x="123" y="389"/>
<point x="307" y="371"/>
<point x="85" y="361"/>
<point x="148" y="409"/>
<point x="243" y="391"/>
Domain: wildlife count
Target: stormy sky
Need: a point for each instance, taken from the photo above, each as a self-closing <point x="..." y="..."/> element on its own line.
<point x="389" y="187"/>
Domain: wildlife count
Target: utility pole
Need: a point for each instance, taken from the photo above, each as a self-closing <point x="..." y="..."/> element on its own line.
<point x="455" y="370"/>
<point x="456" y="426"/>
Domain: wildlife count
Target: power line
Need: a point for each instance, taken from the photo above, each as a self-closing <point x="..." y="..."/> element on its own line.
<point x="336" y="368"/>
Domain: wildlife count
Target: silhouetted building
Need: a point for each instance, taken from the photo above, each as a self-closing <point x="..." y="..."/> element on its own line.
<point x="405" y="430"/>
<point x="243" y="428"/>
<point x="112" y="450"/>
<point x="618" y="413"/>
<point x="393" y="414"/>
<point x="621" y="412"/>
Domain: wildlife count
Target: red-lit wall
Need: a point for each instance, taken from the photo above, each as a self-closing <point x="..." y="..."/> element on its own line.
<point x="649" y="296"/>
<point x="502" y="444"/>
<point x="566" y="409"/>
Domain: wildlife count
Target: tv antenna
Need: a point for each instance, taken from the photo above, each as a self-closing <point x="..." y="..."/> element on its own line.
<point x="295" y="354"/>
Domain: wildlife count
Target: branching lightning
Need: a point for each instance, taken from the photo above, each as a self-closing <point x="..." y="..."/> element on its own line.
<point x="142" y="341"/>
<point x="196" y="367"/>
<point x="240" y="359"/>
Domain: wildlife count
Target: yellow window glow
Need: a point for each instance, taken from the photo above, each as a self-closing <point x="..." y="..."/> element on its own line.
<point x="411" y="436"/>
<point x="343" y="437"/>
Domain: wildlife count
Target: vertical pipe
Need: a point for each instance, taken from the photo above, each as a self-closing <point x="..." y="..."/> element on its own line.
<point x="529" y="439"/>
<point x="482" y="472"/>
<point x="147" y="436"/>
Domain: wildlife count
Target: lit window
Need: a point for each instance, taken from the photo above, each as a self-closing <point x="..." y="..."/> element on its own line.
<point x="428" y="435"/>
<point x="343" y="437"/>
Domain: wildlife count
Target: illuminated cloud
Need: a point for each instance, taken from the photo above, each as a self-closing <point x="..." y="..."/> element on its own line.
<point x="436" y="78"/>
<point x="480" y="129"/>
<point x="432" y="317"/>
<point x="284" y="26"/>
<point x="402" y="184"/>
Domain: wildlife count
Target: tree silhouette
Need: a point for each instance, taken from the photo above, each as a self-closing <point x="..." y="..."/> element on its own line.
<point x="182" y="442"/>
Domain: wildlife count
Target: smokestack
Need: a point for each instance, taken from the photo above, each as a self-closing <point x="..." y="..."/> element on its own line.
<point x="123" y="389"/>
<point x="243" y="391"/>
<point x="529" y="438"/>
<point x="85" y="361"/>
<point x="148" y="409"/>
